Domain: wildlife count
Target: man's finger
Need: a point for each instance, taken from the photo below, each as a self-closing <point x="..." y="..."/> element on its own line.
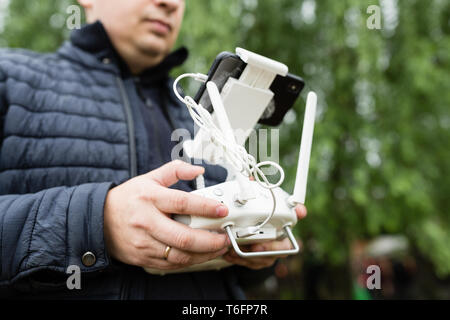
<point x="180" y="257"/>
<point x="276" y="245"/>
<point x="258" y="262"/>
<point x="177" y="201"/>
<point x="301" y="211"/>
<point x="284" y="244"/>
<point x="174" y="263"/>
<point x="180" y="236"/>
<point x="253" y="263"/>
<point x="172" y="172"/>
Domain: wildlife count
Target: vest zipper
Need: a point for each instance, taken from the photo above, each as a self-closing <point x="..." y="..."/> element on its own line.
<point x="165" y="104"/>
<point x="149" y="104"/>
<point x="130" y="126"/>
<point x="124" y="290"/>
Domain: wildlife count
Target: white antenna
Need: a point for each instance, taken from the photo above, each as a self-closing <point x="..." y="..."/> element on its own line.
<point x="305" y="151"/>
<point x="219" y="109"/>
<point x="246" y="192"/>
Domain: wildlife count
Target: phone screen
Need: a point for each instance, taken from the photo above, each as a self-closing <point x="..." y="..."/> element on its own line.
<point x="286" y="89"/>
<point x="226" y="65"/>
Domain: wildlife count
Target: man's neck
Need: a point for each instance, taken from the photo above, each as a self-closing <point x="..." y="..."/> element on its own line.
<point x="137" y="61"/>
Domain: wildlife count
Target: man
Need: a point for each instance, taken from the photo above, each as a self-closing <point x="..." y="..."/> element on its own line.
<point x="85" y="166"/>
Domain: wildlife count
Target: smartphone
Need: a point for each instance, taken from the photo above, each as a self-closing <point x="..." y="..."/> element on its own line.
<point x="286" y="89"/>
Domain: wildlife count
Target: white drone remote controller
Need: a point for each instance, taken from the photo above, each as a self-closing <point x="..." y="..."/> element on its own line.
<point x="257" y="210"/>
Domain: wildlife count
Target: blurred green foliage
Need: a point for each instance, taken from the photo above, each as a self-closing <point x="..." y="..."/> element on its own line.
<point x="381" y="159"/>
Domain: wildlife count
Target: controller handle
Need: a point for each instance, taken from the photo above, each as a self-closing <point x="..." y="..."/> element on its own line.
<point x="243" y="254"/>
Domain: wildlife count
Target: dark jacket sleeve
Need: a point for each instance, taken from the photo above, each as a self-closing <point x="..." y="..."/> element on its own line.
<point x="45" y="232"/>
<point x="2" y="103"/>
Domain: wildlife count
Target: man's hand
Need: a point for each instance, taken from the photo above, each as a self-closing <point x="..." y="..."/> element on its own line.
<point x="264" y="262"/>
<point x="138" y="227"/>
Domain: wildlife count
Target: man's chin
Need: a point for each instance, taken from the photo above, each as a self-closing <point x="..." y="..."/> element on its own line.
<point x="154" y="47"/>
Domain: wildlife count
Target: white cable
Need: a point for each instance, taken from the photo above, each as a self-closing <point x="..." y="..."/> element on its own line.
<point x="234" y="153"/>
<point x="200" y="182"/>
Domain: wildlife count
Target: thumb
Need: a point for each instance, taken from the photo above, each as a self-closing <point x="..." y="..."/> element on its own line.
<point x="173" y="171"/>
